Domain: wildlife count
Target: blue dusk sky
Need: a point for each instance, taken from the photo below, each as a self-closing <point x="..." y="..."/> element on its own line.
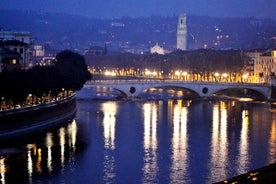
<point x="145" y="8"/>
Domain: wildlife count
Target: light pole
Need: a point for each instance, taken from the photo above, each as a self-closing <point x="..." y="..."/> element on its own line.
<point x="216" y="76"/>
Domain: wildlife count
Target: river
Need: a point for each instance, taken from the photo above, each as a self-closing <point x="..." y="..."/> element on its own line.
<point x="146" y="141"/>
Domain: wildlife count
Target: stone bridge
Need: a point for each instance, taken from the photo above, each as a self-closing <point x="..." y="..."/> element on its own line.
<point x="132" y="88"/>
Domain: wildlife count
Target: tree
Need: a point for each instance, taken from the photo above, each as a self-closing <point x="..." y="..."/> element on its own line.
<point x="72" y="70"/>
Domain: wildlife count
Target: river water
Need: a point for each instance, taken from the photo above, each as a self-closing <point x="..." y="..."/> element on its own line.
<point x="146" y="141"/>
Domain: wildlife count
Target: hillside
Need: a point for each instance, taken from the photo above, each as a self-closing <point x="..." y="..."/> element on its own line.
<point x="63" y="31"/>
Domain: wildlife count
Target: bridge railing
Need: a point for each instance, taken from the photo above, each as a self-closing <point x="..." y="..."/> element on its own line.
<point x="171" y="81"/>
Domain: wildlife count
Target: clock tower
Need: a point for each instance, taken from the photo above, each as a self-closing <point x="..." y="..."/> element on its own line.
<point x="181" y="36"/>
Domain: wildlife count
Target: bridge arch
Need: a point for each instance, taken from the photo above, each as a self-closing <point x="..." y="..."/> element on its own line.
<point x="241" y="91"/>
<point x="132" y="88"/>
<point x="174" y="87"/>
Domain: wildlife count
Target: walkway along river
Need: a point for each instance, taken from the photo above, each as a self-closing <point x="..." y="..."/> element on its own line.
<point x="24" y="120"/>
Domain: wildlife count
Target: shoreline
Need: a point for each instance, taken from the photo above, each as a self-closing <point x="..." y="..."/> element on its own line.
<point x="22" y="121"/>
<point x="266" y="174"/>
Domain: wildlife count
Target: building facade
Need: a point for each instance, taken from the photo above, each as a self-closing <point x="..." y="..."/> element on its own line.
<point x="156" y="49"/>
<point x="9" y="59"/>
<point x="181" y="37"/>
<point x="264" y="65"/>
<point x="19" y="42"/>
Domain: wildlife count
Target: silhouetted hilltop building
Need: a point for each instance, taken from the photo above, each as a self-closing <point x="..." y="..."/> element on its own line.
<point x="96" y="51"/>
<point x="14" y="53"/>
<point x="9" y="59"/>
<point x="18" y="42"/>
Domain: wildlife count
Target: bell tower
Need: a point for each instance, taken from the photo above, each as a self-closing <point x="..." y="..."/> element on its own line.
<point x="181" y="37"/>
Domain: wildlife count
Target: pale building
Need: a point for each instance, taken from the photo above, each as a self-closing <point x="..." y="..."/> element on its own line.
<point x="157" y="49"/>
<point x="181" y="37"/>
<point x="38" y="51"/>
<point x="264" y="65"/>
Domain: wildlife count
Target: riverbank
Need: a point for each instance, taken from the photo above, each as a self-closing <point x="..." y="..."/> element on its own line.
<point x="19" y="121"/>
<point x="265" y="174"/>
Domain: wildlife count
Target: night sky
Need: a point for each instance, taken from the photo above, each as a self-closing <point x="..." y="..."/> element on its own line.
<point x="145" y="8"/>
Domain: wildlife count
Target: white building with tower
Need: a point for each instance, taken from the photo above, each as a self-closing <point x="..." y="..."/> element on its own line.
<point x="157" y="50"/>
<point x="181" y="37"/>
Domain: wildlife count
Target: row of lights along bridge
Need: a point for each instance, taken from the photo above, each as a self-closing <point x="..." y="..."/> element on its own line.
<point x="176" y="74"/>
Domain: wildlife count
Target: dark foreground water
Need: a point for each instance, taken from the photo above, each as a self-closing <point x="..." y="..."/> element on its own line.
<point x="172" y="141"/>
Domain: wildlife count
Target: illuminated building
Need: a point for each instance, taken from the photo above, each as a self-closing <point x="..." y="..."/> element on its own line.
<point x="181" y="36"/>
<point x="157" y="49"/>
<point x="38" y="51"/>
<point x="264" y="65"/>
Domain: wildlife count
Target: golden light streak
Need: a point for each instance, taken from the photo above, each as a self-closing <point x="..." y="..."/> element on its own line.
<point x="62" y="143"/>
<point x="272" y="141"/>
<point x="219" y="144"/>
<point x="243" y="158"/>
<point x="49" y="144"/>
<point x="30" y="148"/>
<point x="109" y="109"/>
<point x="72" y="134"/>
<point x="150" y="167"/>
<point x="2" y="170"/>
<point x="179" y="143"/>
<point x="39" y="160"/>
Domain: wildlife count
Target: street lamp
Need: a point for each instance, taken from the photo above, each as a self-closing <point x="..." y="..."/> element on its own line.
<point x="148" y="73"/>
<point x="185" y="75"/>
<point x="177" y="73"/>
<point x="244" y="77"/>
<point x="224" y="75"/>
<point x="216" y="76"/>
<point x="154" y="73"/>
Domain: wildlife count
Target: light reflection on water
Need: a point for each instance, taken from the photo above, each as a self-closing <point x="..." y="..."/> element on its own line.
<point x="38" y="158"/>
<point x="147" y="142"/>
<point x="49" y="144"/>
<point x="178" y="171"/>
<point x="243" y="155"/>
<point x="219" y="143"/>
<point x="150" y="168"/>
<point x="109" y="110"/>
<point x="2" y="170"/>
<point x="272" y="140"/>
<point x="62" y="147"/>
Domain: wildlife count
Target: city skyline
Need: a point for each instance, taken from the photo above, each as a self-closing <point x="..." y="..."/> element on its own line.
<point x="143" y="8"/>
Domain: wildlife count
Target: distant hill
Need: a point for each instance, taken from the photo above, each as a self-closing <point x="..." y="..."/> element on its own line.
<point x="63" y="31"/>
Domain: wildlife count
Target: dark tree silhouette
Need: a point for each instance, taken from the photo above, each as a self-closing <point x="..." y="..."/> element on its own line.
<point x="72" y="70"/>
<point x="69" y="73"/>
<point x="14" y="85"/>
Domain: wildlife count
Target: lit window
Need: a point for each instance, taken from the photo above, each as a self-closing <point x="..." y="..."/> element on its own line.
<point x="13" y="61"/>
